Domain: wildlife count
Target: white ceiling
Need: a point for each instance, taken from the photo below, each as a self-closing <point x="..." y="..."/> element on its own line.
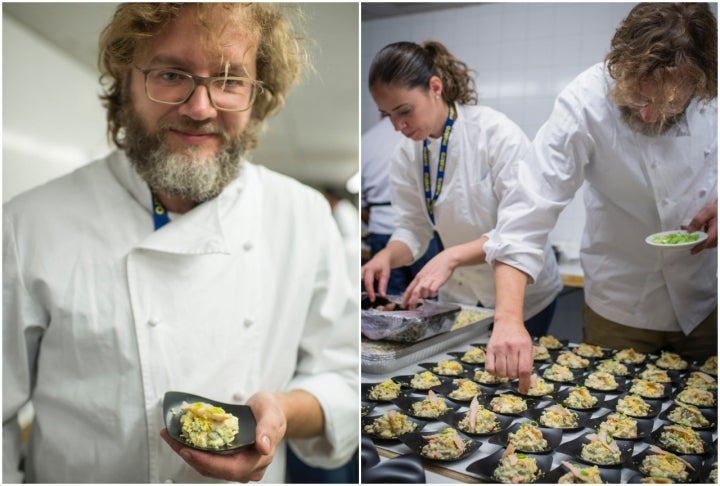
<point x="314" y="139"/>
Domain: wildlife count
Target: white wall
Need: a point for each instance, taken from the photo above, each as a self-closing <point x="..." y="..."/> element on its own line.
<point x="524" y="54"/>
<point x="40" y="143"/>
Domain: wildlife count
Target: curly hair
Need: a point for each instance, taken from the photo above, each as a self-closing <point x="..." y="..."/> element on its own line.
<point x="280" y="59"/>
<point x="668" y="43"/>
<point x="411" y="65"/>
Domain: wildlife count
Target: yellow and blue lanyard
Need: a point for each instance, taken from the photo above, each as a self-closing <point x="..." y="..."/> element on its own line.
<point x="430" y="198"/>
<point x="160" y="215"/>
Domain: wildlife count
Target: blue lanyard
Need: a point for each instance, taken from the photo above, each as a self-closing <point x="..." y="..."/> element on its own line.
<point x="430" y="198"/>
<point x="160" y="215"/>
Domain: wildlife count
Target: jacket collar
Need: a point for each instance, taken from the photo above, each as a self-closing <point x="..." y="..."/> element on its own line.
<point x="199" y="231"/>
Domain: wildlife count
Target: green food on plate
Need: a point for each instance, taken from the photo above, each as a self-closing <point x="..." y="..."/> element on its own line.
<point x="675" y="238"/>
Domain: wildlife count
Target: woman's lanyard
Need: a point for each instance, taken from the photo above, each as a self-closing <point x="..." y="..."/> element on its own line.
<point x="160" y="215"/>
<point x="430" y="198"/>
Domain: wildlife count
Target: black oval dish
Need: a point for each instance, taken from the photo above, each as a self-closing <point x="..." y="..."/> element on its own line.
<point x="705" y="437"/>
<point x="609" y="475"/>
<point x="405" y="404"/>
<point x="405" y="380"/>
<point x="454" y="419"/>
<point x="644" y="426"/>
<point x="693" y="474"/>
<point x="430" y="366"/>
<point x="552" y="436"/>
<point x="416" y="441"/>
<point x="709" y="413"/>
<point x="484" y="468"/>
<point x="560" y="397"/>
<point x="365" y="393"/>
<point x="582" y="418"/>
<point x="366" y="408"/>
<point x="172" y="402"/>
<point x="369" y="421"/>
<point x="655" y="406"/>
<point x="574" y="449"/>
<point x="407" y="468"/>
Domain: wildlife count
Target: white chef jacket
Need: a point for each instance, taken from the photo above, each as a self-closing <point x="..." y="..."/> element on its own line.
<point x="102" y="315"/>
<point x="483" y="151"/>
<point x="378" y="146"/>
<point x="636" y="185"/>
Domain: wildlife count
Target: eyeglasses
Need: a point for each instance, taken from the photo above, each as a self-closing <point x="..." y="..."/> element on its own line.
<point x="173" y="87"/>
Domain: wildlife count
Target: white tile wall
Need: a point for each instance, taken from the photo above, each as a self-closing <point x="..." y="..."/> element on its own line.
<point x="524" y="54"/>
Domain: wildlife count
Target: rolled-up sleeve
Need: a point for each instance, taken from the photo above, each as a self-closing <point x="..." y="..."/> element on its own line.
<point x="548" y="178"/>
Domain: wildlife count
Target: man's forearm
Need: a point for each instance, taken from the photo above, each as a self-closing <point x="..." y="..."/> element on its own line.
<point x="510" y="286"/>
<point x="303" y="413"/>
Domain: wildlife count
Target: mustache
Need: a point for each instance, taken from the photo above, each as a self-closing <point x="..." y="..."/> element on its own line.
<point x="202" y="127"/>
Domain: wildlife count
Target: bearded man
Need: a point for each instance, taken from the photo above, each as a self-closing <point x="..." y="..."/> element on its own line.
<point x="176" y="264"/>
<point x="640" y="132"/>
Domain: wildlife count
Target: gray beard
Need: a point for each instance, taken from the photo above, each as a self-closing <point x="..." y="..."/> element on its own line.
<point x="647" y="129"/>
<point x="182" y="174"/>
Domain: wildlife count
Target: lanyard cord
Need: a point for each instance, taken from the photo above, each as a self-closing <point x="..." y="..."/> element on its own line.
<point x="430" y="198"/>
<point x="160" y="215"/>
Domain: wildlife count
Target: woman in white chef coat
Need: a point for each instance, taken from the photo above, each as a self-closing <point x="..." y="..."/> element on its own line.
<point x="450" y="175"/>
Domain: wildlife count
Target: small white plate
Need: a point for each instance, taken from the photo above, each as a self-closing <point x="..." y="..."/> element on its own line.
<point x="702" y="237"/>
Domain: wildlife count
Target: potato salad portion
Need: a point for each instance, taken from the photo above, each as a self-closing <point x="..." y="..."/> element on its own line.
<point x="528" y="438"/>
<point x="550" y="342"/>
<point x="698" y="379"/>
<point x="466" y="390"/>
<point x="539" y="387"/>
<point x="558" y="417"/>
<point x="508" y="403"/>
<point x="484" y="377"/>
<point x="558" y="372"/>
<point x="629" y="355"/>
<point x="449" y="367"/>
<point x="663" y="464"/>
<point x="696" y="396"/>
<point x="653" y="373"/>
<point x="613" y="367"/>
<point x="385" y="391"/>
<point x="445" y="445"/>
<point x="602" y="449"/>
<point x="589" y="351"/>
<point x="620" y="426"/>
<point x="431" y="407"/>
<point x="633" y="405"/>
<point x="540" y="353"/>
<point x="601" y="380"/>
<point x="474" y="355"/>
<point x="572" y="360"/>
<point x="424" y="380"/>
<point x="207" y="426"/>
<point x="671" y="361"/>
<point x="580" y="397"/>
<point x="688" y="415"/>
<point x="516" y="468"/>
<point x="391" y="425"/>
<point x="580" y="475"/>
<point x="479" y="420"/>
<point x="648" y="389"/>
<point x="681" y="439"/>
<point x="710" y="366"/>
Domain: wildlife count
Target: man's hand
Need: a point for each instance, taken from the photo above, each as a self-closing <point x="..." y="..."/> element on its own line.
<point x="705" y="220"/>
<point x="509" y="353"/>
<point x="250" y="463"/>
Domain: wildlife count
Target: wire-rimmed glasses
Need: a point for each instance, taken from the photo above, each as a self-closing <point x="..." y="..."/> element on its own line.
<point x="174" y="87"/>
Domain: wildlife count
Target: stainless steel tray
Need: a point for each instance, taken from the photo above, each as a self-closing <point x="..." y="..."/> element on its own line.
<point x="379" y="357"/>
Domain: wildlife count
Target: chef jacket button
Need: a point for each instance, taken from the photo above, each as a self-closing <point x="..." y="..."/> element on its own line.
<point x="153" y="322"/>
<point x="702" y="193"/>
<point x="247" y="246"/>
<point x="247" y="322"/>
<point x="239" y="396"/>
